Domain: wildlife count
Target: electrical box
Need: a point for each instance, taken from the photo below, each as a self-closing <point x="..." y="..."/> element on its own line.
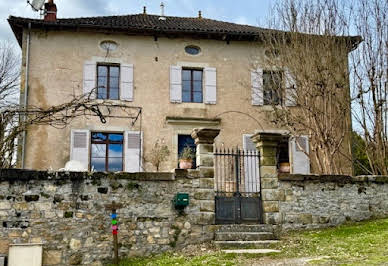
<point x="181" y="200"/>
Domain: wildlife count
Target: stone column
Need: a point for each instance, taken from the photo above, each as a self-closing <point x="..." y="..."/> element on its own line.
<point x="204" y="139"/>
<point x="266" y="144"/>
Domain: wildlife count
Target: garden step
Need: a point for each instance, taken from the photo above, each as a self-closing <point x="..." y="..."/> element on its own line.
<point x="244" y="236"/>
<point x="250" y="251"/>
<point x="262" y="244"/>
<point x="245" y="228"/>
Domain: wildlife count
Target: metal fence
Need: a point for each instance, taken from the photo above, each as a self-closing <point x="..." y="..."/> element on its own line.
<point x="237" y="172"/>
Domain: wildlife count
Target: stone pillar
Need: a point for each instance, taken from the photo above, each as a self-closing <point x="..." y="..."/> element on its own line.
<point x="205" y="195"/>
<point x="266" y="144"/>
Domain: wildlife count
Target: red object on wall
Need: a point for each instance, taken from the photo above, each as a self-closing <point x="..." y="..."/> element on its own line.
<point x="50" y="11"/>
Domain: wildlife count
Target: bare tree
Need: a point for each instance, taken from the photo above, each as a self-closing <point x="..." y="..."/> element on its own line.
<point x="311" y="51"/>
<point x="9" y="84"/>
<point x="370" y="78"/>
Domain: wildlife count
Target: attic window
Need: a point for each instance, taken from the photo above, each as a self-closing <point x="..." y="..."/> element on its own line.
<point x="193" y="50"/>
<point x="108" y="46"/>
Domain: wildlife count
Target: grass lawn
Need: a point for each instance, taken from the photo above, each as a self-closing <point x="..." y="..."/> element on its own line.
<point x="363" y="243"/>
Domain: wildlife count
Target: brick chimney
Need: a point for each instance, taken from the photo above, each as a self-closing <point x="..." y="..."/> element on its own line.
<point x="50" y="11"/>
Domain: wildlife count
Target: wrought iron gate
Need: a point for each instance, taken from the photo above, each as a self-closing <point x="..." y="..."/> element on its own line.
<point x="238" y="190"/>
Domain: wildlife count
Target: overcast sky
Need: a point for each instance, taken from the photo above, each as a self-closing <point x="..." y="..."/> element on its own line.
<point x="244" y="12"/>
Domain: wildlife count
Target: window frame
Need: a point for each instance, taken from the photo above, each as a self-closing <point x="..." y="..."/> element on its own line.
<point x="106" y="143"/>
<point x="274" y="91"/>
<point x="192" y="69"/>
<point x="108" y="65"/>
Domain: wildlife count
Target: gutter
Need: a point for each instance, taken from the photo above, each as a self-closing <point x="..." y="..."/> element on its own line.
<point x="26" y="92"/>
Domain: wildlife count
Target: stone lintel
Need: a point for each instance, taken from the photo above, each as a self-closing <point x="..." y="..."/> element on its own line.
<point x="204" y="135"/>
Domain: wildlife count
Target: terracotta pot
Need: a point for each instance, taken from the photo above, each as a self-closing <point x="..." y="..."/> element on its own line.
<point x="185" y="163"/>
<point x="284" y="167"/>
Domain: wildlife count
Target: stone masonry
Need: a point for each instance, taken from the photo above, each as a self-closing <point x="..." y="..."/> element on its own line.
<point x="66" y="212"/>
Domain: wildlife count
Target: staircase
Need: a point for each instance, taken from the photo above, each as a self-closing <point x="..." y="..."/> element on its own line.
<point x="241" y="238"/>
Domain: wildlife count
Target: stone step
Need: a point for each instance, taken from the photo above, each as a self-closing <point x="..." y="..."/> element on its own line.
<point x="245" y="228"/>
<point x="244" y="236"/>
<point x="262" y="244"/>
<point x="250" y="251"/>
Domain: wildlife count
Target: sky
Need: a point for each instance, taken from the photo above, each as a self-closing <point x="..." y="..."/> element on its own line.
<point x="251" y="12"/>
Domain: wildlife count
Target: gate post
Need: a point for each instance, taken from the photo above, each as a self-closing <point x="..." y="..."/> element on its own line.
<point x="204" y="139"/>
<point x="266" y="144"/>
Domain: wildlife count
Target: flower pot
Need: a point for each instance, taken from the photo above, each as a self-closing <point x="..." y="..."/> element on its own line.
<point x="284" y="167"/>
<point x="185" y="163"/>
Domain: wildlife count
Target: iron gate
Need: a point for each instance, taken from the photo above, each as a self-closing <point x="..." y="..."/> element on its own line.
<point x="237" y="186"/>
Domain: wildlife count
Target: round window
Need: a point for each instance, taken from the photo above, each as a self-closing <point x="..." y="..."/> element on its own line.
<point x="193" y="50"/>
<point x="108" y="45"/>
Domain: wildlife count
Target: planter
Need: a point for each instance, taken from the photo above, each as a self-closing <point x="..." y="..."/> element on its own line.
<point x="284" y="167"/>
<point x="185" y="163"/>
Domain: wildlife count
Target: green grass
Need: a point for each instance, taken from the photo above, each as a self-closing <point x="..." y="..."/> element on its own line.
<point x="363" y="243"/>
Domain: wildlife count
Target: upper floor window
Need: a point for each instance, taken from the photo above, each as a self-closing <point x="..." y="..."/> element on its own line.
<point x="108" y="80"/>
<point x="192" y="85"/>
<point x="106" y="152"/>
<point x="192" y="50"/>
<point x="272" y="87"/>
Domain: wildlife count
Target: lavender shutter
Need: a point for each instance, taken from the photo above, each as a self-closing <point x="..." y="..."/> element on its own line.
<point x="79" y="147"/>
<point x="175" y="84"/>
<point x="126" y="82"/>
<point x="257" y="87"/>
<point x="210" y="85"/>
<point x="299" y="147"/>
<point x="89" y="78"/>
<point x="133" y="151"/>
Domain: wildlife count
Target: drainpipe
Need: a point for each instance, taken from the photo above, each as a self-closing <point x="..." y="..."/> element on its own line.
<point x="26" y="92"/>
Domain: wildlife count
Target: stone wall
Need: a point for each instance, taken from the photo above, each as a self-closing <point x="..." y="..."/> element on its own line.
<point x="315" y="201"/>
<point x="66" y="212"/>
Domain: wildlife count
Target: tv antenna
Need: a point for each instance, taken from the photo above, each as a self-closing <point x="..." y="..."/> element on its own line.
<point x="36" y="5"/>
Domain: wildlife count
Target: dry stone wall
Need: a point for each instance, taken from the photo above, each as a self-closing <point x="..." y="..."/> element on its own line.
<point x="66" y="212"/>
<point x="316" y="201"/>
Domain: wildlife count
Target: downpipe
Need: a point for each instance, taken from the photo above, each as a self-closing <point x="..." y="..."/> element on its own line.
<point x="26" y="92"/>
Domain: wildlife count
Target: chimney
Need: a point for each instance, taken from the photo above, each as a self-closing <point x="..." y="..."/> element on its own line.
<point x="162" y="9"/>
<point x="162" y="17"/>
<point x="50" y="11"/>
<point x="144" y="10"/>
<point x="199" y="14"/>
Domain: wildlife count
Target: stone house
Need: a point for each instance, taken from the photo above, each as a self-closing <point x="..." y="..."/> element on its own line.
<point x="184" y="72"/>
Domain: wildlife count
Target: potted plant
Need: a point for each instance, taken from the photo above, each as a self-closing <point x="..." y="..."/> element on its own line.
<point x="186" y="158"/>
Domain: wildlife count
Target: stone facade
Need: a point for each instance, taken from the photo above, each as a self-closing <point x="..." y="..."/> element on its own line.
<point x="57" y="73"/>
<point x="66" y="212"/>
<point x="322" y="201"/>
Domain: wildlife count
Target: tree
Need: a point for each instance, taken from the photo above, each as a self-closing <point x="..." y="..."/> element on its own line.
<point x="370" y="79"/>
<point x="158" y="154"/>
<point x="311" y="49"/>
<point x="9" y="82"/>
<point x="360" y="159"/>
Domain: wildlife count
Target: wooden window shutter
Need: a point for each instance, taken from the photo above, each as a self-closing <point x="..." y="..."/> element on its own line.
<point x="290" y="90"/>
<point x="126" y="82"/>
<point x="210" y="85"/>
<point x="133" y="145"/>
<point x="300" y="161"/>
<point x="175" y="84"/>
<point x="89" y="79"/>
<point x="79" y="149"/>
<point x="257" y="87"/>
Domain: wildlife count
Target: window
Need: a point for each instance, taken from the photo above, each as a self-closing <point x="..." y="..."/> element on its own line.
<point x="107" y="152"/>
<point x="272" y="84"/>
<point x="192" y="50"/>
<point x="192" y="85"/>
<point x="108" y="78"/>
<point x="184" y="141"/>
